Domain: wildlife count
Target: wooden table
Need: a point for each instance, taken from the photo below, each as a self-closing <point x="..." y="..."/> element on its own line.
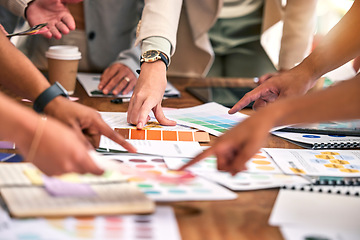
<point x="243" y="218"/>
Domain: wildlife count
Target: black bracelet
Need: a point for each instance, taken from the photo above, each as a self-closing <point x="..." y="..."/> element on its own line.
<point x="49" y="94"/>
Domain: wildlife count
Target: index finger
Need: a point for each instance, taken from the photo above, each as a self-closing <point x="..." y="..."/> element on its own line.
<point x="198" y="158"/>
<point x="248" y="98"/>
<point x="105" y="130"/>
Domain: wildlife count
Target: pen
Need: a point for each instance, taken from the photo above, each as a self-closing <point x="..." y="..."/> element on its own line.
<point x="120" y="100"/>
<point x="256" y="80"/>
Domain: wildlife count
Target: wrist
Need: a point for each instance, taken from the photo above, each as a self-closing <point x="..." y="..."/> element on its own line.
<point x="49" y="95"/>
<point x="27" y="8"/>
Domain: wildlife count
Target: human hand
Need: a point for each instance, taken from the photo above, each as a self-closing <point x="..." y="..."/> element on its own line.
<point x="279" y="85"/>
<point x="53" y="12"/>
<point x="118" y="78"/>
<point x="2" y="29"/>
<point x="86" y="122"/>
<point x="148" y="94"/>
<point x="57" y="149"/>
<point x="234" y="148"/>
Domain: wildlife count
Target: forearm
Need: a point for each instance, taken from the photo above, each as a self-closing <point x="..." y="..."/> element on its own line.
<point x="341" y="102"/>
<point x="298" y="31"/>
<point x="19" y="74"/>
<point x="339" y="46"/>
<point x="18" y="123"/>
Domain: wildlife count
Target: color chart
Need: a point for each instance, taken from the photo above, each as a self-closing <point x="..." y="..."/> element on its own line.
<point x="158" y="226"/>
<point x="210" y="117"/>
<point x="163" y="135"/>
<point x="261" y="162"/>
<point x="196" y="189"/>
<point x="252" y="181"/>
<point x="153" y="147"/>
<point x="262" y="173"/>
<point x="337" y="163"/>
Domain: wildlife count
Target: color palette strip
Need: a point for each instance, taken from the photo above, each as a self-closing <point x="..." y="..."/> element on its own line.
<point x="164" y="135"/>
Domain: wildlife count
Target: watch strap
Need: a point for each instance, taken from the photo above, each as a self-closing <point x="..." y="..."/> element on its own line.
<point x="49" y="94"/>
<point x="162" y="58"/>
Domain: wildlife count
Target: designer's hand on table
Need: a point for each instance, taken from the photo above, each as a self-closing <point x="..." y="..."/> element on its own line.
<point x="117" y="78"/>
<point x="148" y="94"/>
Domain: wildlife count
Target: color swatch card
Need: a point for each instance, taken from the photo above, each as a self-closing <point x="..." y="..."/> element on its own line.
<point x="337" y="163"/>
<point x="90" y="82"/>
<point x="195" y="189"/>
<point x="262" y="173"/>
<point x="154" y="147"/>
<point x="210" y="117"/>
<point x="163" y="135"/>
<point x="161" y="225"/>
<point x="252" y="181"/>
<point x="261" y="162"/>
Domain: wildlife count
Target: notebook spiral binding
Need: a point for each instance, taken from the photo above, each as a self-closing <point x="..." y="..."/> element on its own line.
<point x="349" y="187"/>
<point x="336" y="145"/>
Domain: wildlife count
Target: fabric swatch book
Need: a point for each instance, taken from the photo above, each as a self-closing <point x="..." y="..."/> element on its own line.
<point x="27" y="197"/>
<point x="320" y="141"/>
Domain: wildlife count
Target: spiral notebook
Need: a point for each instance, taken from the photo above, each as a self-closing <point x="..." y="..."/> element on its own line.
<point x="347" y="128"/>
<point x="320" y="141"/>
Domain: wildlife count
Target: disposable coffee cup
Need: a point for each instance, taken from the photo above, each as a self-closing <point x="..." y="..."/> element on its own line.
<point x="63" y="61"/>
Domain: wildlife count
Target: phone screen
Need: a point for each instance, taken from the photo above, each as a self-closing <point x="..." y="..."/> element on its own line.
<point x="226" y="96"/>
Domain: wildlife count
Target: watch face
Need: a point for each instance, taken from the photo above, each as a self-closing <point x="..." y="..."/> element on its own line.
<point x="150" y="54"/>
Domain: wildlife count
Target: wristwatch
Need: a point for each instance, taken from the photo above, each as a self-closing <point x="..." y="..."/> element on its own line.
<point x="153" y="56"/>
<point x="49" y="94"/>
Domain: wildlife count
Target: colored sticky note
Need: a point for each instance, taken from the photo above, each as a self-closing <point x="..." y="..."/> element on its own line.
<point x="59" y="188"/>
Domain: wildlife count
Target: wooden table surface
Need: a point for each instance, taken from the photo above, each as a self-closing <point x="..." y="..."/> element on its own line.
<point x="243" y="218"/>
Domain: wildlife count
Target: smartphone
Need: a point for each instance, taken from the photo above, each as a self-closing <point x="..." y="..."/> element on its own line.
<point x="226" y="96"/>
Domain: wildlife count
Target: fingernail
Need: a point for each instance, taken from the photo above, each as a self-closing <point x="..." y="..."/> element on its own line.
<point x="256" y="80"/>
<point x="140" y="125"/>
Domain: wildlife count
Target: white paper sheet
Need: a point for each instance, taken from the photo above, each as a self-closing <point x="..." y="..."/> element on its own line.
<point x="307" y="209"/>
<point x="90" y="82"/>
<point x="337" y="163"/>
